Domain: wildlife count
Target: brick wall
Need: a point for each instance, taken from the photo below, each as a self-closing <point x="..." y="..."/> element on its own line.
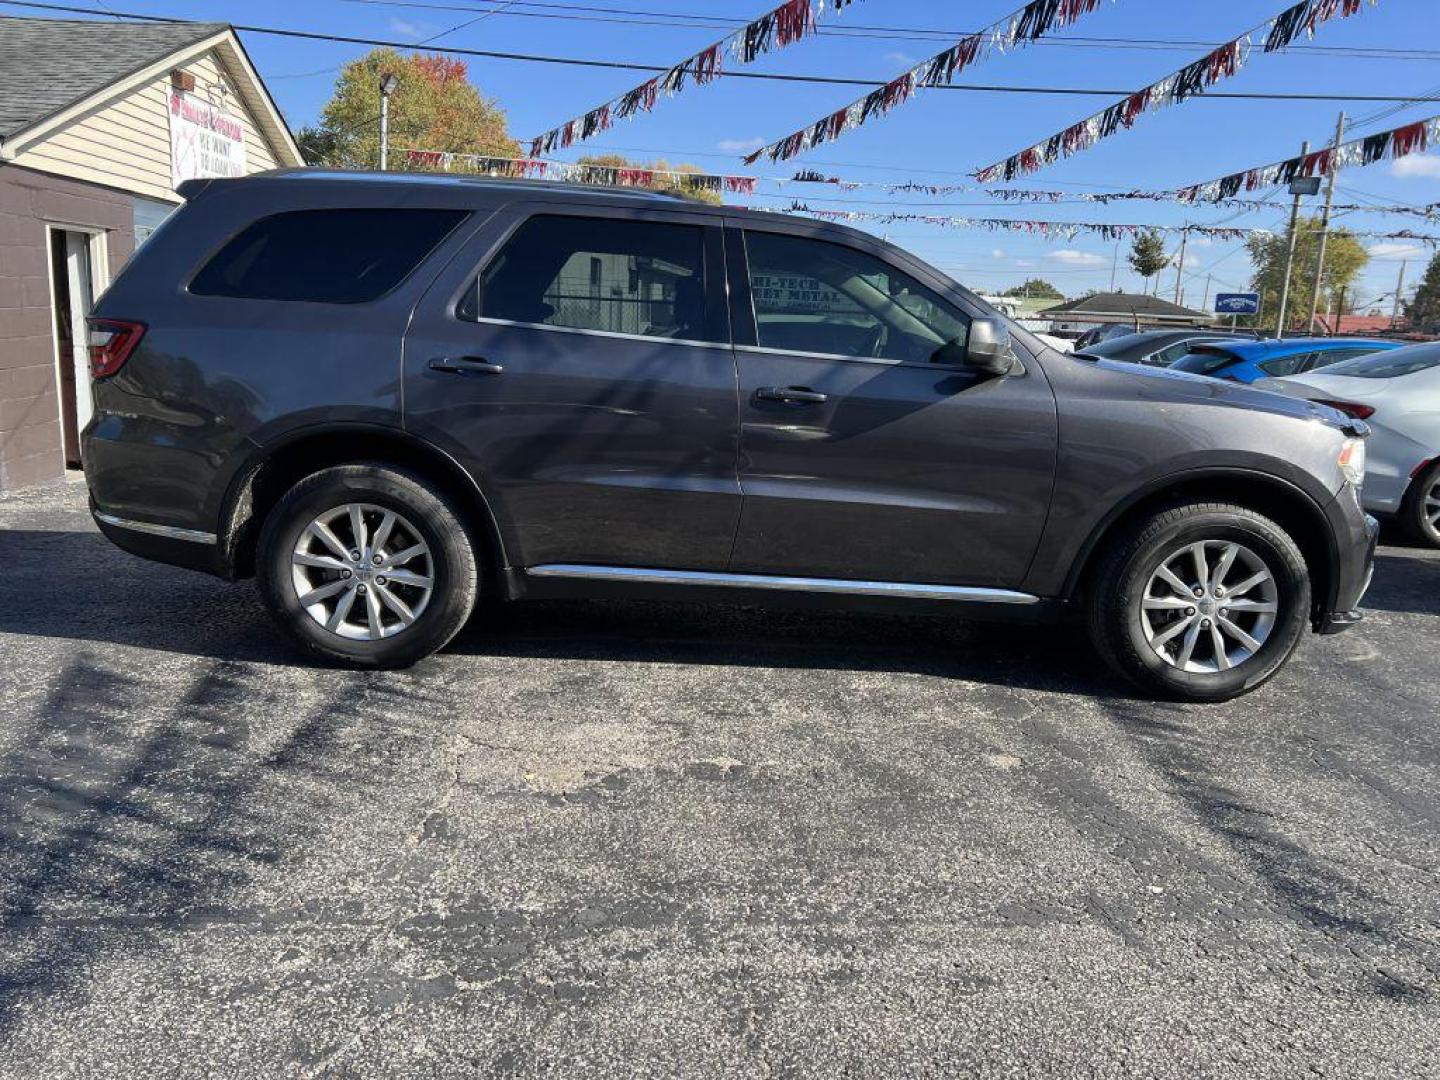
<point x="30" y="445"/>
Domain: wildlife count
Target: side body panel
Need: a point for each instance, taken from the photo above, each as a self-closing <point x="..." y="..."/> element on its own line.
<point x="1127" y="430"/>
<point x="215" y="377"/>
<point x="914" y="472"/>
<point x="601" y="448"/>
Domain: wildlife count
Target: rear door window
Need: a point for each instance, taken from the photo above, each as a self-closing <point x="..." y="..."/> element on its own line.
<point x="1391" y="363"/>
<point x="347" y="256"/>
<point x="1325" y="358"/>
<point x="613" y="275"/>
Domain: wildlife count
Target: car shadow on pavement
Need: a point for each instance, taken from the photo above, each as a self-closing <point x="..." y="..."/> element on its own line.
<point x="75" y="585"/>
<point x="132" y="807"/>
<point x="1341" y="917"/>
<point x="1407" y="581"/>
<point x="1054" y="658"/>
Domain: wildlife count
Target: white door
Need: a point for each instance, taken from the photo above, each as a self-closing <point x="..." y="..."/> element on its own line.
<point x="81" y="296"/>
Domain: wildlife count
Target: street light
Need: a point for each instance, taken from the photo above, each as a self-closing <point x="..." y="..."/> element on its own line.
<point x="389" y="83"/>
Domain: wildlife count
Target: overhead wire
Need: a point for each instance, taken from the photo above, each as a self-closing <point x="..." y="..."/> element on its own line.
<point x="575" y="61"/>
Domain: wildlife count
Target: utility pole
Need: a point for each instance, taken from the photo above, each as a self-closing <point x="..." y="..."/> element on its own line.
<point x="1339" y="312"/>
<point x="1209" y="281"/>
<point x="1289" y="255"/>
<point x="1399" y="292"/>
<point x="1115" y="266"/>
<point x="1325" y="218"/>
<point x="1180" y="266"/>
<point x="388" y="84"/>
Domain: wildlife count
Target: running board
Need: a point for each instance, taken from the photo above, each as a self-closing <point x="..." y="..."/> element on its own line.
<point x="832" y="586"/>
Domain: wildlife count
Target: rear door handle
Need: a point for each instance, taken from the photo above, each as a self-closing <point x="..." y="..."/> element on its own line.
<point x="465" y="365"/>
<point x="792" y="395"/>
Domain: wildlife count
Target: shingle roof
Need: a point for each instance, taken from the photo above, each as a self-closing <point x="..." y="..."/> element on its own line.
<point x="48" y="64"/>
<point x="1124" y="306"/>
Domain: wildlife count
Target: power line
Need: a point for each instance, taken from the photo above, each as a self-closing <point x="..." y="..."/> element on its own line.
<point x="682" y="20"/>
<point x="570" y="61"/>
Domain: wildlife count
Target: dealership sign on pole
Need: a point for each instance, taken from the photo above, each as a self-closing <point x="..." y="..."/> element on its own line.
<point x="1237" y="303"/>
<point x="205" y="141"/>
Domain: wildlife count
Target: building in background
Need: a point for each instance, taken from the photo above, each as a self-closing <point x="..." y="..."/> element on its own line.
<point x="99" y="121"/>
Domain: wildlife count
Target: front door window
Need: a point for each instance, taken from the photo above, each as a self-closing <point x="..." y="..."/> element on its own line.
<point x="817" y="297"/>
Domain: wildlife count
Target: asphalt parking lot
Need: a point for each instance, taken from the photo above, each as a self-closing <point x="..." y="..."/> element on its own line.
<point x="597" y="839"/>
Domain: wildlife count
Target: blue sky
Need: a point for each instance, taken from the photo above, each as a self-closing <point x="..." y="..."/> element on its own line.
<point x="940" y="135"/>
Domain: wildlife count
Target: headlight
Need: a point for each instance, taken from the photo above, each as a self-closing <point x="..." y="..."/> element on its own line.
<point x="1352" y="461"/>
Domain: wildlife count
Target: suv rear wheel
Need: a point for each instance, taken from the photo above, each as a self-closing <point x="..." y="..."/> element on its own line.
<point x="1200" y="602"/>
<point x="366" y="565"/>
<point x="1421" y="510"/>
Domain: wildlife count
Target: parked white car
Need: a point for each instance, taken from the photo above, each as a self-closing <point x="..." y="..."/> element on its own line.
<point x="1398" y="394"/>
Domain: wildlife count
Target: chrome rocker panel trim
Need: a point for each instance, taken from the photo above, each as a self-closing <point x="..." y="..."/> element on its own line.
<point x="898" y="589"/>
<point x="194" y="536"/>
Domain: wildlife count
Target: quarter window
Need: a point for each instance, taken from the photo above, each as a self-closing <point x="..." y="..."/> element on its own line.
<point x="624" y="277"/>
<point x="326" y="256"/>
<point x="1287" y="365"/>
<point x="817" y="297"/>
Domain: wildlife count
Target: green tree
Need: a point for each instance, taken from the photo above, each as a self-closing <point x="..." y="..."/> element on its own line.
<point x="670" y="185"/>
<point x="1147" y="254"/>
<point x="435" y="107"/>
<point x="1344" y="259"/>
<point x="1035" y="287"/>
<point x="1424" y="311"/>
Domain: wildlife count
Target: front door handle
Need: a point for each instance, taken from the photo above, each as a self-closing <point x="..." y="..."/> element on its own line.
<point x="465" y="365"/>
<point x="791" y="395"/>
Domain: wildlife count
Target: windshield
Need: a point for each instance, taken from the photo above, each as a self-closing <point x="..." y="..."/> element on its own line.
<point x="1389" y="365"/>
<point x="1204" y="361"/>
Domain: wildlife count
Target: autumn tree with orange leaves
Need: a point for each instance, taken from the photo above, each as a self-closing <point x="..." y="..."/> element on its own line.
<point x="435" y="107"/>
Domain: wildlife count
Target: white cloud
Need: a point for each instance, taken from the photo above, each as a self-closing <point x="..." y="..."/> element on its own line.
<point x="739" y="146"/>
<point x="902" y="58"/>
<point x="996" y="253"/>
<point x="1426" y="165"/>
<point x="408" y="29"/>
<point x="1394" y="251"/>
<point x="1201" y="241"/>
<point x="1071" y="257"/>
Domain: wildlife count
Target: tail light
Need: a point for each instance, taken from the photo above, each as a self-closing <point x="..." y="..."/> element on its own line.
<point x="1349" y="408"/>
<point x="111" y="343"/>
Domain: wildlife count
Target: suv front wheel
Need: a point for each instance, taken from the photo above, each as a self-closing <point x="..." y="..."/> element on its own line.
<point x="366" y="565"/>
<point x="1200" y="602"/>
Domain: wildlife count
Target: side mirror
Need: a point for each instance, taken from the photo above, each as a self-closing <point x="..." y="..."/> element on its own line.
<point x="987" y="349"/>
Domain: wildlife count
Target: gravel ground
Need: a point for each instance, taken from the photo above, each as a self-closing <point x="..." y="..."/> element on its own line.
<point x="602" y="839"/>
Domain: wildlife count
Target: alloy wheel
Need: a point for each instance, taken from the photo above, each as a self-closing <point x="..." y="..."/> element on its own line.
<point x="1209" y="606"/>
<point x="362" y="571"/>
<point x="1431" y="510"/>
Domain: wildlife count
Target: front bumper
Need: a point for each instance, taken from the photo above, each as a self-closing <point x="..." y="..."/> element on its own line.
<point x="1357" y="534"/>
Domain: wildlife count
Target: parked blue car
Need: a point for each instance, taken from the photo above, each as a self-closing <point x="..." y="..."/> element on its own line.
<point x="1246" y="361"/>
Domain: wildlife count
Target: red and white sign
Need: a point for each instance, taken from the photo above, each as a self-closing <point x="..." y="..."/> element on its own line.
<point x="205" y="141"/>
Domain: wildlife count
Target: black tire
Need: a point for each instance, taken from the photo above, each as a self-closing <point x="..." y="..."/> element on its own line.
<point x="425" y="512"/>
<point x="1416" y="510"/>
<point x="1122" y="633"/>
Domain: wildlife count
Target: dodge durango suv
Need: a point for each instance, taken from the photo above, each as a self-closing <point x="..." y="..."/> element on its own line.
<point x="385" y="396"/>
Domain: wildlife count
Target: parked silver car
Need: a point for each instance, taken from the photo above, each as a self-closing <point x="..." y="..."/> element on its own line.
<point x="1398" y="394"/>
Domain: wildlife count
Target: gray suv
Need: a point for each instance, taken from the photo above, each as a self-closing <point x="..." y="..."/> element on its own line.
<point x="386" y="396"/>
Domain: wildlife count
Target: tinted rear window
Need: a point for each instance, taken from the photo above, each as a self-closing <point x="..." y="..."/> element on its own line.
<point x="325" y="256"/>
<point x="1203" y="361"/>
<point x="1391" y="364"/>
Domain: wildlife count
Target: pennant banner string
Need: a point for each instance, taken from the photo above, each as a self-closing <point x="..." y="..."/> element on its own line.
<point x="637" y="176"/>
<point x="776" y="29"/>
<point x="640" y="176"/>
<point x="1068" y="230"/>
<point x="1190" y="81"/>
<point x="1020" y="27"/>
<point x="1391" y="145"/>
